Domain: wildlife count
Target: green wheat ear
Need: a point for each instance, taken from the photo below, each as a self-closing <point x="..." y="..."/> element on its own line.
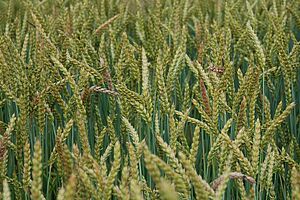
<point x="151" y="99"/>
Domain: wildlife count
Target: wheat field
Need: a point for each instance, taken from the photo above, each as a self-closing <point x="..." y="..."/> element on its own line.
<point x="160" y="99"/>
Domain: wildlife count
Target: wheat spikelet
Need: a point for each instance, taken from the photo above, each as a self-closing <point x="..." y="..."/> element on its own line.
<point x="241" y="137"/>
<point x="36" y="186"/>
<point x="6" y="190"/>
<point x="167" y="190"/>
<point x="296" y="183"/>
<point x="105" y="24"/>
<point x="60" y="195"/>
<point x="99" y="142"/>
<point x="172" y="129"/>
<point x="107" y="152"/>
<point x="264" y="167"/>
<point x="169" y="152"/>
<point x="225" y="178"/>
<point x="70" y="188"/>
<point x="180" y="184"/>
<point x="244" y="162"/>
<point x="256" y="147"/>
<point x="242" y="114"/>
<point x="113" y="172"/>
<point x="257" y="46"/>
<point x="270" y="171"/>
<point x="205" y="98"/>
<point x="205" y="117"/>
<point x="252" y="110"/>
<point x="134" y="135"/>
<point x="136" y="101"/>
<point x="124" y="186"/>
<point x="267" y="112"/>
<point x="195" y="146"/>
<point x="277" y="122"/>
<point x="241" y="186"/>
<point x="152" y="167"/>
<point x="174" y="69"/>
<point x="161" y="85"/>
<point x="87" y="183"/>
<point x="135" y="191"/>
<point x="133" y="163"/>
<point x="217" y="145"/>
<point x="194" y="121"/>
<point x="202" y="189"/>
<point x="66" y="160"/>
<point x="27" y="166"/>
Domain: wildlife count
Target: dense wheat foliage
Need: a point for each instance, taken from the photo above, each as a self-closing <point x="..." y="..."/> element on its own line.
<point x="160" y="99"/>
